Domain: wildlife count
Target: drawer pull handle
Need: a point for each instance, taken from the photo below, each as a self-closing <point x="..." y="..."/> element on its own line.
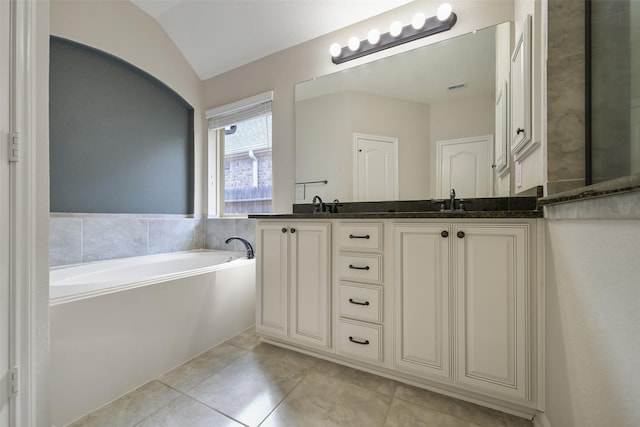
<point x="353" y="267"/>
<point x="355" y="341"/>
<point x="353" y="236"/>
<point x="351" y="300"/>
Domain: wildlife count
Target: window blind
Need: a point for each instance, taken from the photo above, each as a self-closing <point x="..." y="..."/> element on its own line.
<point x="235" y="112"/>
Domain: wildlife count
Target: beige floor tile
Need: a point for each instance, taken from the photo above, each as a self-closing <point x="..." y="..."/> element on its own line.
<point x="406" y="414"/>
<point x="186" y="412"/>
<point x="322" y="400"/>
<point x="513" y="421"/>
<point x="195" y="371"/>
<point x="356" y="377"/>
<point x="458" y="408"/>
<point x="131" y="408"/>
<point x="253" y="385"/>
<point x="247" y="339"/>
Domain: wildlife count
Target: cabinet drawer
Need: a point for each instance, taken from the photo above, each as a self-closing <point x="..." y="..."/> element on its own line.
<point x="355" y="236"/>
<point x="359" y="340"/>
<point x="360" y="267"/>
<point x="361" y="302"/>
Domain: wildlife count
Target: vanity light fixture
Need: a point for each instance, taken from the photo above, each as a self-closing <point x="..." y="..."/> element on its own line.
<point x="420" y="27"/>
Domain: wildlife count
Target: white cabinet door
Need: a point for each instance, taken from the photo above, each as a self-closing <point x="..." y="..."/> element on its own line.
<point x="310" y="283"/>
<point x="422" y="332"/>
<point x="491" y="282"/>
<point x="272" y="269"/>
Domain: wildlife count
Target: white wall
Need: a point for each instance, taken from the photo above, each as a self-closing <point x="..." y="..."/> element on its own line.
<point x="281" y="71"/>
<point x="122" y="29"/>
<point x="593" y="322"/>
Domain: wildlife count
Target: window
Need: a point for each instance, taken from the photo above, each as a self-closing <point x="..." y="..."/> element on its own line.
<point x="240" y="161"/>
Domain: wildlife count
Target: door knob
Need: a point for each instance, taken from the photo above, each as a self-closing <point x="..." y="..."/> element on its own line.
<point x="293" y="230"/>
<point x="445" y="233"/>
<point x="284" y="229"/>
<point x="460" y="234"/>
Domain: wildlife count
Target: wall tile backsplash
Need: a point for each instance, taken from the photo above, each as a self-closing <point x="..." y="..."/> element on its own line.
<point x="220" y="229"/>
<point x="77" y="238"/>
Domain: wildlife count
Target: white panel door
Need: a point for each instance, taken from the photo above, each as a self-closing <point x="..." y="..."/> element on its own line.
<point x="272" y="269"/>
<point x="465" y="165"/>
<point x="422" y="299"/>
<point x="4" y="214"/>
<point x="310" y="283"/>
<point x="492" y="299"/>
<point x="376" y="168"/>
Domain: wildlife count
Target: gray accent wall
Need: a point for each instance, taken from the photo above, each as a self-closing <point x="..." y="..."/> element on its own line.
<point x="120" y="140"/>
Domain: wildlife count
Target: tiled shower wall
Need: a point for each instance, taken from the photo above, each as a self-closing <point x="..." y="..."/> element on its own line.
<point x="77" y="238"/>
<point x="565" y="96"/>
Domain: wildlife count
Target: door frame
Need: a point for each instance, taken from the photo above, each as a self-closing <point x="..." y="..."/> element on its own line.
<point x="439" y="148"/>
<point x="28" y="216"/>
<point x="389" y="139"/>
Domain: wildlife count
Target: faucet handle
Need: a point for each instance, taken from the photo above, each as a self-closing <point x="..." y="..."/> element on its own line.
<point x="463" y="202"/>
<point x="439" y="202"/>
<point x="452" y="192"/>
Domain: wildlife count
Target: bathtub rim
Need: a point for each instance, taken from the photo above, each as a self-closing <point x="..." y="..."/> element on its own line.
<point x="242" y="260"/>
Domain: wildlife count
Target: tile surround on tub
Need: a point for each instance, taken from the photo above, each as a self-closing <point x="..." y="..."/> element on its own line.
<point x="217" y="230"/>
<point x="77" y="237"/>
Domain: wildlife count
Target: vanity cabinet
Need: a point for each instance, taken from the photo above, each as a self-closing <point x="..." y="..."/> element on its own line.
<point x="360" y="265"/>
<point x="492" y="296"/>
<point x="294" y="281"/>
<point x="463" y="289"/>
<point x="450" y="304"/>
<point x="422" y="299"/>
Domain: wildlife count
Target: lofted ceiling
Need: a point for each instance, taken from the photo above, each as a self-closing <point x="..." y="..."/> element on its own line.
<point x="216" y="36"/>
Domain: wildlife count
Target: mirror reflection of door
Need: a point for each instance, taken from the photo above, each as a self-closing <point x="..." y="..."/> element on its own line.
<point x="464" y="164"/>
<point x="376" y="167"/>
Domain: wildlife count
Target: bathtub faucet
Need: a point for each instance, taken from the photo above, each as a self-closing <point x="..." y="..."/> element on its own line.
<point x="250" y="254"/>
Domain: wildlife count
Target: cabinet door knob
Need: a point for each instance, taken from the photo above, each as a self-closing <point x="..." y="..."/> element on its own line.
<point x="355" y="341"/>
<point x="444" y="233"/>
<point x="519" y="131"/>
<point x="460" y="234"/>
<point x="284" y="229"/>
<point x="293" y="230"/>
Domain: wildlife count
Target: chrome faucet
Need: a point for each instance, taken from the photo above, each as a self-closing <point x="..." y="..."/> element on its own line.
<point x="452" y="200"/>
<point x="318" y="204"/>
<point x="250" y="253"/>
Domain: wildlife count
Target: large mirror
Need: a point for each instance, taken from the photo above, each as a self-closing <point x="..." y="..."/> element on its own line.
<point x="409" y="126"/>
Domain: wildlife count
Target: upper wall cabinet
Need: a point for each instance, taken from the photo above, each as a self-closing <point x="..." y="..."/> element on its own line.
<point x="521" y="129"/>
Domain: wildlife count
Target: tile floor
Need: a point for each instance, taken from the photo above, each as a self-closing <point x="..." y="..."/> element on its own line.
<point x="243" y="382"/>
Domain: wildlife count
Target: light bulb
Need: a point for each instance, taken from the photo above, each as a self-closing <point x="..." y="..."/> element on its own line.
<point x="374" y="36"/>
<point x="444" y="11"/>
<point x="354" y="43"/>
<point x="335" y="50"/>
<point x="395" y="29"/>
<point x="418" y="21"/>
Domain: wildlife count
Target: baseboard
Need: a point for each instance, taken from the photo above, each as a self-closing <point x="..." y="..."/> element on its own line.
<point x="541" y="420"/>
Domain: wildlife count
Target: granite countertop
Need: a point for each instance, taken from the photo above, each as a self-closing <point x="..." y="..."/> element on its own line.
<point x="622" y="185"/>
<point x="399" y="215"/>
<point x="490" y="207"/>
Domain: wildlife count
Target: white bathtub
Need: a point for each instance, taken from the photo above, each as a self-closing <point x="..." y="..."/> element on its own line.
<point x="117" y="324"/>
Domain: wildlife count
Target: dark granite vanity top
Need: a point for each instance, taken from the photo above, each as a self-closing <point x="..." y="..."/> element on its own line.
<point x="490" y="207"/>
<point x="622" y="185"/>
